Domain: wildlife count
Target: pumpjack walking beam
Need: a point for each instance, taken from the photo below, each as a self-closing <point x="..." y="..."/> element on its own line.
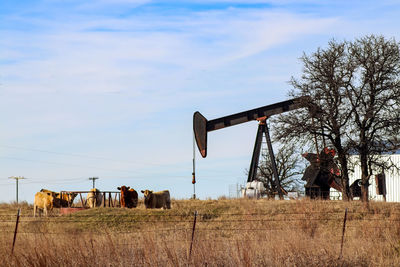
<point x="202" y="126"/>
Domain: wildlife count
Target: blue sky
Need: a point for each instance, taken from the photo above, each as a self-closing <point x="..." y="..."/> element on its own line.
<point x="108" y="88"/>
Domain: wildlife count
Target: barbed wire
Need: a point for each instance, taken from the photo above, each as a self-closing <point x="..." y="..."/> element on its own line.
<point x="209" y="239"/>
<point x="164" y="218"/>
<point x="66" y="220"/>
<point x="307" y="213"/>
<point x="189" y="229"/>
<point x="339" y="220"/>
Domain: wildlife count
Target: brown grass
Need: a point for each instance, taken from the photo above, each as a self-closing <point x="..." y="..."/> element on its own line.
<point x="237" y="232"/>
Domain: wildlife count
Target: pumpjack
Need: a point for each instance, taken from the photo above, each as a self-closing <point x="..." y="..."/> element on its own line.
<point x="202" y="126"/>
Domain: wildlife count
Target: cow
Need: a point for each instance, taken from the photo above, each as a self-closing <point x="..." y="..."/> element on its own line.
<point x="54" y="194"/>
<point x="44" y="201"/>
<point x="129" y="197"/>
<point x="65" y="199"/>
<point x="94" y="198"/>
<point x="156" y="200"/>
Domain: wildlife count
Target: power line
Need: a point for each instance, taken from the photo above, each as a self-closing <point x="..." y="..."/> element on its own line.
<point x="81" y="156"/>
<point x="76" y="165"/>
<point x="65" y="164"/>
<point x="117" y="170"/>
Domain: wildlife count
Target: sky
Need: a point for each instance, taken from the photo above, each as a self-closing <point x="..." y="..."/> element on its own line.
<point x="108" y="88"/>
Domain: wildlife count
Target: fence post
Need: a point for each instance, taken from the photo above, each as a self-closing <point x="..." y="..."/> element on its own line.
<point x="194" y="227"/>
<point x="15" y="232"/>
<point x="344" y="229"/>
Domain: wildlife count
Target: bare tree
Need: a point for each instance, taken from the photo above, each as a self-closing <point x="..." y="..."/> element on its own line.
<point x="375" y="101"/>
<point x="353" y="104"/>
<point x="326" y="75"/>
<point x="288" y="166"/>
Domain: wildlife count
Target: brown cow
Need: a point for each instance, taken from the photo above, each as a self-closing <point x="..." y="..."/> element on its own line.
<point x="129" y="197"/>
<point x="157" y="200"/>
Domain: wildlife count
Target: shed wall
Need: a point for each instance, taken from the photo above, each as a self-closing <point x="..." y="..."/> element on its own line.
<point x="392" y="181"/>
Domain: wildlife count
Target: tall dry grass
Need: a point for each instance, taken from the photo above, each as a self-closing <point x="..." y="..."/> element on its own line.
<point x="237" y="232"/>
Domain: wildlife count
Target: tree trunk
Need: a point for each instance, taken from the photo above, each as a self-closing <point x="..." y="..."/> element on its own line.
<point x="364" y="178"/>
<point x="344" y="168"/>
<point x="346" y="189"/>
<point x="345" y="177"/>
<point x="364" y="191"/>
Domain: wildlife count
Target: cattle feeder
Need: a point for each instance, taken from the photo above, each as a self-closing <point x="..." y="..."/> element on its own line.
<point x="113" y="200"/>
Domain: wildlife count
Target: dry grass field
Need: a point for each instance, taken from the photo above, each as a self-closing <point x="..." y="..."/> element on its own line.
<point x="237" y="232"/>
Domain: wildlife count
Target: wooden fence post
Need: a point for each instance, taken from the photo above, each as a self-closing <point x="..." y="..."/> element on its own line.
<point x="194" y="227"/>
<point x="344" y="229"/>
<point x="15" y="232"/>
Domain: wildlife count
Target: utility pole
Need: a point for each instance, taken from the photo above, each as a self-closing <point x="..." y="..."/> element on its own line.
<point x="17" y="178"/>
<point x="93" y="179"/>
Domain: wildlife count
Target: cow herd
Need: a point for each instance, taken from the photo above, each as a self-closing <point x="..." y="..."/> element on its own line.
<point x="152" y="200"/>
<point x="46" y="200"/>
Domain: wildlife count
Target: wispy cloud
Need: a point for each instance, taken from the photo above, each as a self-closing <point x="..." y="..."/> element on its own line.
<point x="129" y="53"/>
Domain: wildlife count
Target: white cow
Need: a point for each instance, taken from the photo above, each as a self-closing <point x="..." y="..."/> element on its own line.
<point x="157" y="200"/>
<point x="94" y="198"/>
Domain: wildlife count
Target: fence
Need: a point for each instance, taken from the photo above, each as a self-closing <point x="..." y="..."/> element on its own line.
<point x="253" y="233"/>
<point x="225" y="228"/>
<point x="251" y="222"/>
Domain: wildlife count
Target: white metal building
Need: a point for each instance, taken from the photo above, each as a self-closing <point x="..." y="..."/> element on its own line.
<point x="392" y="178"/>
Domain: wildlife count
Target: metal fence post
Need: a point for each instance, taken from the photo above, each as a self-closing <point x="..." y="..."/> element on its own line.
<point x="344" y="229"/>
<point x="194" y="227"/>
<point x="15" y="232"/>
